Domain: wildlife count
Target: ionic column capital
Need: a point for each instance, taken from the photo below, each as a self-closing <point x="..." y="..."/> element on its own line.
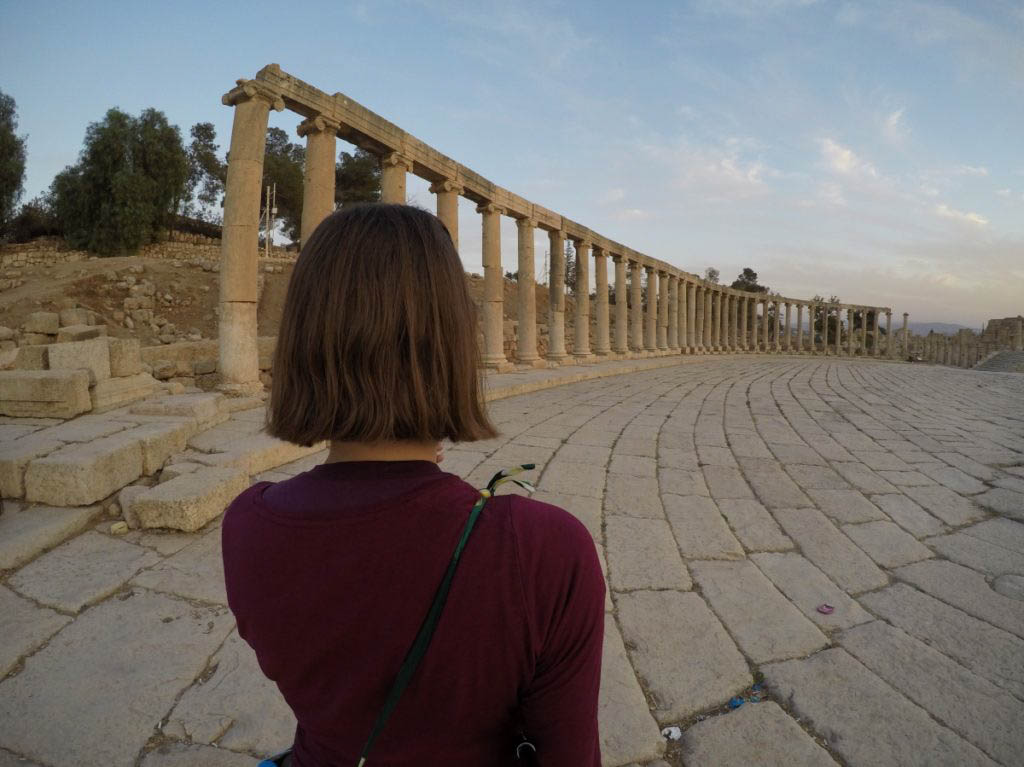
<point x="526" y="223"/>
<point x="247" y="90"/>
<point x="489" y="207"/>
<point x="446" y="185"/>
<point x="648" y="268"/>
<point x="318" y="124"/>
<point x="394" y="159"/>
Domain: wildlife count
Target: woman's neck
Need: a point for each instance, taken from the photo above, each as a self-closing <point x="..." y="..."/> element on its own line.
<point x="399" y="450"/>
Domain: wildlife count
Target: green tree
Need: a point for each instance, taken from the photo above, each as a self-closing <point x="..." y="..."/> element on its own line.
<point x="570" y="266"/>
<point x="34" y="219"/>
<point x="12" y="161"/>
<point x="747" y="280"/>
<point x="711" y="274"/>
<point x="356" y="178"/>
<point x="207" y="173"/>
<point x="130" y="179"/>
<point x="819" y="318"/>
<point x="283" y="164"/>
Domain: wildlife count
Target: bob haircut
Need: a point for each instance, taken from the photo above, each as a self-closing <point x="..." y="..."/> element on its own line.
<point x="378" y="337"/>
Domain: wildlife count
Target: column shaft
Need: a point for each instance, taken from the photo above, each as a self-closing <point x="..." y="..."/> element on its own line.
<point x="526" y="304"/>
<point x="691" y="317"/>
<point x="799" y="328"/>
<point x="602" y="339"/>
<point x="393" y="167"/>
<point x="764" y="325"/>
<point x="743" y="322"/>
<point x="621" y="307"/>
<point x="825" y="314"/>
<point x="581" y="348"/>
<point x="448" y="206"/>
<point x="684" y="322"/>
<point x="673" y="312"/>
<point x="888" y="335"/>
<point x="556" y="297"/>
<point x="318" y="174"/>
<point x="636" y="308"/>
<point x="906" y="339"/>
<point x="651" y="319"/>
<point x="716" y="321"/>
<point x="662" y="338"/>
<point x="709" y="344"/>
<point x="787" y="336"/>
<point x="494" y="286"/>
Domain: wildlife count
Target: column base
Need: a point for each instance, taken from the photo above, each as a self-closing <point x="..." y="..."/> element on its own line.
<point x="247" y="389"/>
<point x="555" y="356"/>
<point x="493" y="361"/>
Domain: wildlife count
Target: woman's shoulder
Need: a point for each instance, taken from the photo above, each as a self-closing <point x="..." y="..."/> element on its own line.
<point x="541" y="526"/>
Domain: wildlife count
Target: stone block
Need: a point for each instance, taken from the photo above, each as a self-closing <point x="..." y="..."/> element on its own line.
<point x="845" y="506"/>
<point x="951" y="508"/>
<point x="756" y="734"/>
<point x="92" y="355"/>
<point x="80" y="679"/>
<point x="254" y="453"/>
<point x="685" y="658"/>
<point x="642" y="554"/>
<point x="72" y="317"/>
<point x="164" y="369"/>
<point x="26" y="533"/>
<point x="908" y="515"/>
<point x="204" y="367"/>
<point x="870" y="722"/>
<point x="190" y="501"/>
<point x="112" y="393"/>
<point x="125" y="359"/>
<point x="81" y="474"/>
<point x="202" y="407"/>
<point x="14" y="460"/>
<point x="700" y="529"/>
<point x="984" y="556"/>
<point x="25" y="627"/>
<point x="574" y="479"/>
<point x="80" y="333"/>
<point x="32" y="358"/>
<point x="1003" y="500"/>
<point x="756" y="529"/>
<point x="195" y="572"/>
<point x="763" y="622"/>
<point x="36" y="339"/>
<point x="887" y="543"/>
<point x="807" y="587"/>
<point x="126" y="498"/>
<point x="634" y="496"/>
<point x="44" y="393"/>
<point x="42" y="322"/>
<point x="81" y="572"/>
<point x="160" y="441"/>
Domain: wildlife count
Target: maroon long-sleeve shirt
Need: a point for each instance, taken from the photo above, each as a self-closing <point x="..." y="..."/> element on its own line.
<point x="331" y="573"/>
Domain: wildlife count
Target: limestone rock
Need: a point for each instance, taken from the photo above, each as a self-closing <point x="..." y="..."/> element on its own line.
<point x="80" y="333"/>
<point x="14" y="460"/>
<point x="44" y="393"/>
<point x="72" y="316"/>
<point x="32" y="358"/>
<point x="42" y="322"/>
<point x="81" y="474"/>
<point x="93" y="355"/>
<point x="125" y="359"/>
<point x="113" y="393"/>
<point x="190" y="501"/>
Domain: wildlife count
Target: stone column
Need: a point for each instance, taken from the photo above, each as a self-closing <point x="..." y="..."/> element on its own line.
<point x="1018" y="335"/>
<point x="708" y="326"/>
<point x="742" y="310"/>
<point x="906" y="337"/>
<point x="716" y="320"/>
<point x="318" y="175"/>
<point x="698" y="321"/>
<point x="787" y="336"/>
<point x="673" y="312"/>
<point x="636" y="311"/>
<point x="764" y="325"/>
<point x="691" y="318"/>
<point x="393" y="167"/>
<point x="448" y="206"/>
<point x="730" y="323"/>
<point x="662" y="311"/>
<point x="849" y="332"/>
<point x="556" y="297"/>
<point x="864" y="331"/>
<point x="875" y="334"/>
<point x="889" y="349"/>
<point x="825" y="312"/>
<point x="621" y="306"/>
<point x="651" y="317"/>
<point x="494" y="285"/>
<point x="684" y="324"/>
<point x="526" y="304"/>
<point x="239" y="246"/>
<point x="799" y="328"/>
<point x="812" y="317"/>
<point x="602" y="338"/>
<point x="581" y="349"/>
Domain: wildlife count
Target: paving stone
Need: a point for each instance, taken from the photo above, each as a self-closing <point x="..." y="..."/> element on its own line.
<point x="673" y="458"/>
<point x="592" y="454"/>
<point x="628" y="731"/>
<point x="967" y="590"/>
<point x="863" y="478"/>
<point x="887" y="543"/>
<point x="26" y="533"/>
<point x="908" y="515"/>
<point x="953" y="478"/>
<point x="1002" y="532"/>
<point x="586" y="510"/>
<point x="986" y="650"/>
<point x="15" y="457"/>
<point x="807" y="588"/>
<point x="881" y="460"/>
<point x="189" y="501"/>
<point x="163" y="542"/>
<point x="762" y="621"/>
<point x="186" y="755"/>
<point x="700" y="529"/>
<point x="1011" y="586"/>
<point x="979" y="554"/>
<point x="834" y="553"/>
<point x="7" y="759"/>
<point x="236" y="707"/>
<point x="680" y="482"/>
<point x="951" y="508"/>
<point x="573" y="479"/>
<point x="968" y="465"/>
<point x="869" y="723"/>
<point x="633" y="465"/>
<point x="726" y="482"/>
<point x="775" y="489"/>
<point x="201" y="406"/>
<point x="194" y="572"/>
<point x="24" y="627"/>
<point x="679" y="649"/>
<point x="79" y="679"/>
<point x="642" y="554"/>
<point x="754" y="526"/>
<point x="762" y="734"/>
<point x="81" y="572"/>
<point x="979" y="711"/>
<point x="796" y="454"/>
<point x="633" y="496"/>
<point x="845" y="506"/>
<point x="44" y="393"/>
<point x="749" y="446"/>
<point x="1003" y="501"/>
<point x="906" y="478"/>
<point x="816" y="477"/>
<point x="715" y="456"/>
<point x="80" y="474"/>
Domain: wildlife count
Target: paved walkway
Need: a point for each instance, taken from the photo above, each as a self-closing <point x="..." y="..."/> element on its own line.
<point x="732" y="499"/>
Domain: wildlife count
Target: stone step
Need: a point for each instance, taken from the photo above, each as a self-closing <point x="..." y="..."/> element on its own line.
<point x="187" y="502"/>
<point x="44" y="393"/>
<point x="25" y="532"/>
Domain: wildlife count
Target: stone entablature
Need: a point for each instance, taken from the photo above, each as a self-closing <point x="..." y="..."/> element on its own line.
<point x="726" y="319"/>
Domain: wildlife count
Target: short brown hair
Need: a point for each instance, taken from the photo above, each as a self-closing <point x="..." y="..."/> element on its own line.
<point x="378" y="336"/>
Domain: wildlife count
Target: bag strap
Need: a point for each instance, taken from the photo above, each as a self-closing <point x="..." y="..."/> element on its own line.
<point x="426" y="632"/>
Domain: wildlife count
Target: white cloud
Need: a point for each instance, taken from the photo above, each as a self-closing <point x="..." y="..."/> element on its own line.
<point x="832" y="194"/>
<point x="895" y="127"/>
<point x="970" y="170"/>
<point x="1003" y="192"/>
<point x="632" y="214"/>
<point x="612" y="195"/>
<point x="945" y="211"/>
<point x="843" y="160"/>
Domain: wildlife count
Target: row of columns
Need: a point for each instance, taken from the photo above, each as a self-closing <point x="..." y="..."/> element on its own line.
<point x="682" y="314"/>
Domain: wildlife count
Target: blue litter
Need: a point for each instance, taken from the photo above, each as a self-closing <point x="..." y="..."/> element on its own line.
<point x="754" y="699"/>
<point x="735" y="702"/>
<point x="757" y="687"/>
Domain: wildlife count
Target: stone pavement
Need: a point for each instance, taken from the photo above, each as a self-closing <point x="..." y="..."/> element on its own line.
<point x="731" y="497"/>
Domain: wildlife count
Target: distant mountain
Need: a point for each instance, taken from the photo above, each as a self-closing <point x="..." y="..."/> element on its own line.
<point x="946" y="328"/>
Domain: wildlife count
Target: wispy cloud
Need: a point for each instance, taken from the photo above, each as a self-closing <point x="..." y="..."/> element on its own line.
<point x="895" y="128"/>
<point x="970" y="170"/>
<point x="966" y="217"/>
<point x="843" y="160"/>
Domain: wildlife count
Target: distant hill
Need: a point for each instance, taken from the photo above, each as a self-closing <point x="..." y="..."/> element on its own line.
<point x="946" y="328"/>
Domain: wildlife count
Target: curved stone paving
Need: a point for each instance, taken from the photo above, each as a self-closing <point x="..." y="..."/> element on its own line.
<point x="730" y="497"/>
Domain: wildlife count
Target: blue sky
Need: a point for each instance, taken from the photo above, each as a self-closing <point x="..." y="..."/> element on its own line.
<point x="873" y="150"/>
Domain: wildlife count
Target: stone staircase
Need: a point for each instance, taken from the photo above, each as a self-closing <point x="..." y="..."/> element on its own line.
<point x="1003" y="362"/>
